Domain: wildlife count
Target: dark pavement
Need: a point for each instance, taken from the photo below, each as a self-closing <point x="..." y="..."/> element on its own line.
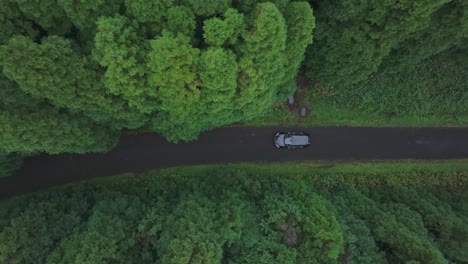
<point x="140" y="153"/>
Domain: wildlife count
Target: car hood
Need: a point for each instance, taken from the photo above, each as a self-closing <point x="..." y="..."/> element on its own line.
<point x="279" y="140"/>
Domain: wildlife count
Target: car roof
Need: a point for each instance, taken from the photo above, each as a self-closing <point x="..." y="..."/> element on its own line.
<point x="299" y="139"/>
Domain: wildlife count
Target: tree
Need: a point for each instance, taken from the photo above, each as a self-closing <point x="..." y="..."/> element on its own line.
<point x="31" y="125"/>
<point x="235" y="215"/>
<point x="246" y="6"/>
<point x="107" y="236"/>
<point x="284" y="222"/>
<point x="402" y="242"/>
<point x="29" y="130"/>
<point x="173" y="66"/>
<point x="47" y="14"/>
<point x="359" y="243"/>
<point x="147" y="10"/>
<point x="444" y="226"/>
<point x="207" y="7"/>
<point x="261" y="61"/>
<point x="300" y="22"/>
<point x="448" y="28"/>
<point x="12" y="22"/>
<point x="352" y="40"/>
<point x="85" y="13"/>
<point x="31" y="233"/>
<point x="119" y="48"/>
<point x="180" y="19"/>
<point x="127" y="64"/>
<point x="27" y="122"/>
<point x="218" y="76"/>
<point x="217" y="32"/>
<point x="52" y="70"/>
<point x="235" y="25"/>
<point x="203" y="244"/>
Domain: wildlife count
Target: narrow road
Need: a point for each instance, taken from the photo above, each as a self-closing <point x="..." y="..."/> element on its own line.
<point x="140" y="153"/>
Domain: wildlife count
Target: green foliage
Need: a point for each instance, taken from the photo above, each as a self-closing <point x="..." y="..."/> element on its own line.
<point x="398" y="230"/>
<point x="431" y="94"/>
<point x="32" y="125"/>
<point x="147" y="10"/>
<point x="173" y="67"/>
<point x="9" y="162"/>
<point x="360" y="245"/>
<point x="442" y="224"/>
<point x="352" y="40"/>
<point x="47" y="129"/>
<point x="207" y="7"/>
<point x="300" y="23"/>
<point x="287" y="89"/>
<point x="182" y="67"/>
<point x="234" y="24"/>
<point x="31" y="234"/>
<point x="176" y="67"/>
<point x="103" y="237"/>
<point x="262" y="62"/>
<point x="211" y="229"/>
<point x="236" y="215"/>
<point x="448" y="28"/>
<point x="52" y="70"/>
<point x="265" y="41"/>
<point x="435" y="87"/>
<point x="47" y="14"/>
<point x="12" y="22"/>
<point x="218" y="76"/>
<point x="122" y="52"/>
<point x="85" y="13"/>
<point x="247" y="6"/>
<point x="217" y="31"/>
<point x="180" y="19"/>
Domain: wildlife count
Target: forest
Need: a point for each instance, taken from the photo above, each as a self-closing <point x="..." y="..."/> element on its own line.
<point x="238" y="215"/>
<point x="75" y="74"/>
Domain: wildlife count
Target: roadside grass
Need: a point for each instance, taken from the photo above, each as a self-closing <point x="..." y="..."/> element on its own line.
<point x="409" y="173"/>
<point x="447" y="174"/>
<point x="434" y="93"/>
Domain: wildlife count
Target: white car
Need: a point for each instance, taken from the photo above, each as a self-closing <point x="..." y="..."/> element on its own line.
<point x="292" y="140"/>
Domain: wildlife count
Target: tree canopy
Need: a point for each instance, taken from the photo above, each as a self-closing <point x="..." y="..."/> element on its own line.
<point x="355" y="39"/>
<point x="238" y="216"/>
<point x="177" y="67"/>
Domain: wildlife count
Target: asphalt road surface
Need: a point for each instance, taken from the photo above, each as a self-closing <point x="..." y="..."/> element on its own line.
<point x="140" y="153"/>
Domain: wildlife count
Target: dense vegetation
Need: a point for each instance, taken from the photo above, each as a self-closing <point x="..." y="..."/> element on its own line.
<point x="434" y="90"/>
<point x="74" y="74"/>
<point x="355" y="39"/>
<point x="237" y="215"/>
<point x="177" y="67"/>
<point x="387" y="63"/>
<point x="433" y="93"/>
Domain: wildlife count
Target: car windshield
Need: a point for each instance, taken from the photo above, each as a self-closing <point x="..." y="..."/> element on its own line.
<point x="288" y="140"/>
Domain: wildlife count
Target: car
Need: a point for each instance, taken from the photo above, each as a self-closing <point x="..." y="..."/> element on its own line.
<point x="292" y="140"/>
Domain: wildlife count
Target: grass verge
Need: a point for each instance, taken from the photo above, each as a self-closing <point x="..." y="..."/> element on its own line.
<point x="450" y="174"/>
